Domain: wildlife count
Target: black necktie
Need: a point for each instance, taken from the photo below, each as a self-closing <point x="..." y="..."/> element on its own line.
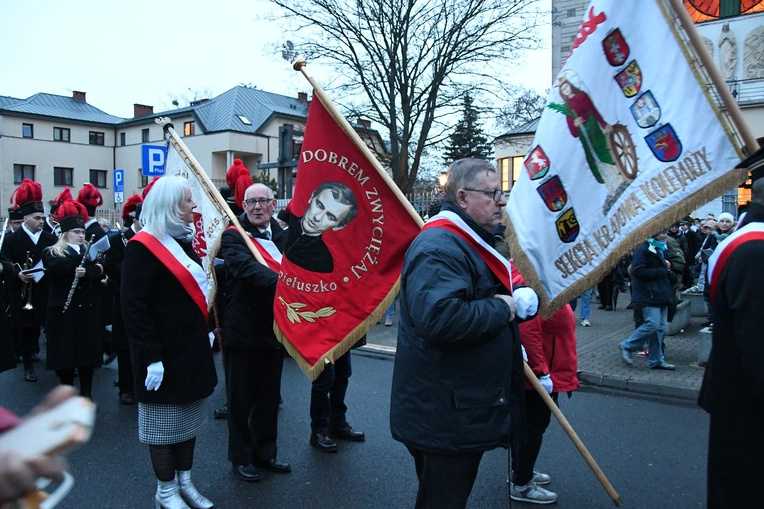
<point x="267" y="235"/>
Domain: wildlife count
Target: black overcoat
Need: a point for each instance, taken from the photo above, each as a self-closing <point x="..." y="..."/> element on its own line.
<point x="113" y="266"/>
<point x="7" y="355"/>
<point x="74" y="337"/>
<point x="252" y="287"/>
<point x="733" y="384"/>
<point x="458" y="382"/>
<point x="166" y="325"/>
<point x="15" y="249"/>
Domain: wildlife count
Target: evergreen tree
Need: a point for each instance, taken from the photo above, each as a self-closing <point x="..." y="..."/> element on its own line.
<point x="468" y="139"/>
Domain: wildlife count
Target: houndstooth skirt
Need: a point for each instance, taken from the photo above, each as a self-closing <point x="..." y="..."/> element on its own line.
<point x="165" y="424"/>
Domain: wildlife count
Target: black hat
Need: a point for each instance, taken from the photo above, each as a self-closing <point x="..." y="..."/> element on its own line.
<point x="14" y="215"/>
<point x="71" y="222"/>
<point x="754" y="164"/>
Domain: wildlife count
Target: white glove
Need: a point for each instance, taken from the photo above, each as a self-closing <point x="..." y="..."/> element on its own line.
<point x="525" y="354"/>
<point x="154" y="376"/>
<point x="546" y="383"/>
<point x="212" y="338"/>
<point x="526" y="302"/>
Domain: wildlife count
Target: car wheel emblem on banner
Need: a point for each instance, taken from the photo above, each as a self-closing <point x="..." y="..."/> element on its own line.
<point x="567" y="226"/>
<point x="646" y="110"/>
<point x="553" y="194"/>
<point x="665" y="144"/>
<point x="616" y="49"/>
<point x="537" y="163"/>
<point x="630" y="79"/>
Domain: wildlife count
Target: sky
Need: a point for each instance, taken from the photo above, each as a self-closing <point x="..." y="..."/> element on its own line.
<point x="144" y="51"/>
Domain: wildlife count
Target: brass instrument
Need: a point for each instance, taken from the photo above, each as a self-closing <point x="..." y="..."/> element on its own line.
<point x="26" y="288"/>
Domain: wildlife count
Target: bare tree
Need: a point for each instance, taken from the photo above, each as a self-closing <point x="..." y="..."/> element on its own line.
<point x="523" y="106"/>
<point x="407" y="64"/>
<point x="183" y="99"/>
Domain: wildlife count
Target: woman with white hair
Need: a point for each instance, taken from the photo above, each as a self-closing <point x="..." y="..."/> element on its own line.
<point x="164" y="302"/>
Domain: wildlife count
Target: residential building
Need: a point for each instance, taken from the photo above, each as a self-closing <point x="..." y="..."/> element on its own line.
<point x="733" y="31"/>
<point x="64" y="141"/>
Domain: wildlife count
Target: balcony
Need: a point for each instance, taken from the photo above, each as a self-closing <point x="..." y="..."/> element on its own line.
<point x="747" y="92"/>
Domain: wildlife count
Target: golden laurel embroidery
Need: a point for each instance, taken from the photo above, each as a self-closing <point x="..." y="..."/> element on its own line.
<point x="309" y="316"/>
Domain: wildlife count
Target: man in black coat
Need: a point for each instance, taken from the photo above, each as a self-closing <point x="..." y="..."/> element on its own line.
<point x="458" y="377"/>
<point x="652" y="283"/>
<point x="26" y="243"/>
<point x="693" y="242"/>
<point x="252" y="355"/>
<point x="733" y="384"/>
<point x="113" y="265"/>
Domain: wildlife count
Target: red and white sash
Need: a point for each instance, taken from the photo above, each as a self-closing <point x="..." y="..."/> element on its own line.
<point x="717" y="261"/>
<point x="267" y="250"/>
<point x="189" y="273"/>
<point x="452" y="222"/>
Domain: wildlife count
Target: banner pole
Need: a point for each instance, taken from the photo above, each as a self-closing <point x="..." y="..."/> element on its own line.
<point x="212" y="191"/>
<point x="300" y="66"/>
<point x="598" y="473"/>
<point x="716" y="77"/>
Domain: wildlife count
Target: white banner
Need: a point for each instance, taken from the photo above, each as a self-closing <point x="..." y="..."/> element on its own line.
<point x="628" y="143"/>
<point x="209" y="221"/>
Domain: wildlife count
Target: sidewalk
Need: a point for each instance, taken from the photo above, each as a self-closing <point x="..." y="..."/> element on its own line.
<point x="599" y="359"/>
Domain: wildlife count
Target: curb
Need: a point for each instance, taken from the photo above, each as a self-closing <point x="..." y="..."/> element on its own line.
<point x="598" y="380"/>
<point x="378" y="349"/>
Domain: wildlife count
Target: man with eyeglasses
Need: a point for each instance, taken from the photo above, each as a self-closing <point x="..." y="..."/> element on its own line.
<point x="458" y="383"/>
<point x="26" y="245"/>
<point x="252" y="355"/>
<point x="331" y="207"/>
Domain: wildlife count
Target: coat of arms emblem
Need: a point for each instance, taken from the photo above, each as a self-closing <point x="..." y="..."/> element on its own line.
<point x="616" y="49"/>
<point x="553" y="194"/>
<point x="537" y="163"/>
<point x="646" y="110"/>
<point x="630" y="79"/>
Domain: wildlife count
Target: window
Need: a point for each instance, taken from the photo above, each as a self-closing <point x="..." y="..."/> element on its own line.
<point x="60" y="134"/>
<point x="96" y="138"/>
<point x="62" y="176"/>
<point x="21" y="172"/>
<point x="98" y="178"/>
<point x="297" y="148"/>
<point x="244" y="120"/>
<point x="144" y="178"/>
<point x="571" y="13"/>
<point x="27" y="130"/>
<point x="122" y="139"/>
<point x="144" y="135"/>
<point x="510" y="168"/>
<point x="189" y="128"/>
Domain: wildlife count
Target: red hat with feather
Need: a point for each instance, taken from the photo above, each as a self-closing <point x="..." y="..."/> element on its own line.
<point x="132" y="208"/>
<point x="28" y="198"/>
<point x="71" y="214"/>
<point x="90" y="197"/>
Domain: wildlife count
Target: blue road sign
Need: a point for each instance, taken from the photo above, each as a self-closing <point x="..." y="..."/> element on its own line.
<point x="154" y="157"/>
<point x="119" y="181"/>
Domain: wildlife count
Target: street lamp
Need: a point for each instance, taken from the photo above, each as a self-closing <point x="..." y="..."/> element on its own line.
<point x="442" y="179"/>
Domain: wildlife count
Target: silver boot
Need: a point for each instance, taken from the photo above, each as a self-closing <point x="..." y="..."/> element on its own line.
<point x="168" y="496"/>
<point x="189" y="493"/>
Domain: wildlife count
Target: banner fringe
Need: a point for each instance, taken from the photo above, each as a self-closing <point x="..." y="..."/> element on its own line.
<point x="344" y="346"/>
<point x="630" y="242"/>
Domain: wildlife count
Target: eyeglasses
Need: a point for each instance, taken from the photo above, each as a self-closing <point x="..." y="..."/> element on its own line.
<point x="262" y="201"/>
<point x="77" y="232"/>
<point x="496" y="194"/>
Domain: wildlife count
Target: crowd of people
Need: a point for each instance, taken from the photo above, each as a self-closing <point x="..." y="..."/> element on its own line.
<point x="467" y="323"/>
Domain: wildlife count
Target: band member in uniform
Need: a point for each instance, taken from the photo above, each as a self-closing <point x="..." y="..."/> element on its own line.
<point x="15" y="218"/>
<point x="73" y="323"/>
<point x="51" y="225"/>
<point x="252" y="355"/>
<point x="23" y="248"/>
<point x="166" y="300"/>
<point x="113" y="263"/>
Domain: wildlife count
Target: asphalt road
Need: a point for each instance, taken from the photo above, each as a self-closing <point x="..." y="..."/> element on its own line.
<point x="652" y="450"/>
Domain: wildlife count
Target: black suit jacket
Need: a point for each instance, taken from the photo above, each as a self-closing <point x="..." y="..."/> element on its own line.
<point x="252" y="288"/>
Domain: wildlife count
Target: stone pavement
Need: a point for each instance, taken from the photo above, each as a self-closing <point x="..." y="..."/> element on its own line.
<point x="599" y="360"/>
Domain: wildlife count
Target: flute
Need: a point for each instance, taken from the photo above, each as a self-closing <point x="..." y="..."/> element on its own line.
<point x="5" y="228"/>
<point x="76" y="279"/>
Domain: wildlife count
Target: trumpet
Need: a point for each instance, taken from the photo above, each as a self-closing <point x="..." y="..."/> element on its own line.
<point x="76" y="279"/>
<point x="26" y="288"/>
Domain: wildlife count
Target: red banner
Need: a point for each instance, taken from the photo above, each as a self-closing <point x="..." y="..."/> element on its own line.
<point x="348" y="233"/>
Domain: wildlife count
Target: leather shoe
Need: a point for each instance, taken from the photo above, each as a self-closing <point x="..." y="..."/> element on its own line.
<point x="246" y="473"/>
<point x="127" y="399"/>
<point x="29" y="376"/>
<point x="274" y="465"/>
<point x="346" y="432"/>
<point x="322" y="441"/>
<point x="666" y="366"/>
<point x="221" y="413"/>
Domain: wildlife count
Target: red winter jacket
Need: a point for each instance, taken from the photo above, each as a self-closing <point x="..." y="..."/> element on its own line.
<point x="550" y="344"/>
